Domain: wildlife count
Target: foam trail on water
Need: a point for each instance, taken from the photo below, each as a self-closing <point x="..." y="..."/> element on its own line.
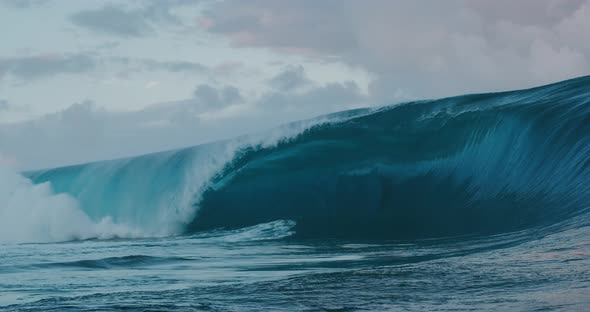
<point x="265" y="231"/>
<point x="34" y="213"/>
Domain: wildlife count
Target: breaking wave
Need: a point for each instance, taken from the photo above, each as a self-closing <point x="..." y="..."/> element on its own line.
<point x="469" y="165"/>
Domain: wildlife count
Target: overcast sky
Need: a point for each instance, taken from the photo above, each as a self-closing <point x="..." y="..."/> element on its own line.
<point x="89" y="80"/>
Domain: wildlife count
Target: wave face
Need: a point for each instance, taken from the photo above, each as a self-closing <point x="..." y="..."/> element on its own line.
<point x="469" y="165"/>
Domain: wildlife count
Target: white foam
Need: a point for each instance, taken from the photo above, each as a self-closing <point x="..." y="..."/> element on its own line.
<point x="33" y="213"/>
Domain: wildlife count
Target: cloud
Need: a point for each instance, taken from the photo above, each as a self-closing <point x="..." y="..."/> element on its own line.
<point x="217" y="97"/>
<point x="49" y="65"/>
<point x="22" y="4"/>
<point x="7" y="161"/>
<point x="293" y="91"/>
<point x="433" y="50"/>
<point x="7" y="106"/>
<point x="45" y="65"/>
<point x="114" y="21"/>
<point x="265" y="23"/>
<point x="4" y="105"/>
<point x="409" y="50"/>
<point x="541" y="13"/>
<point x="315" y="101"/>
<point x="126" y="67"/>
<point x="128" y="22"/>
<point x="85" y="132"/>
<point x="175" y="66"/>
<point x="152" y="84"/>
<point x="290" y="79"/>
<point x="227" y="68"/>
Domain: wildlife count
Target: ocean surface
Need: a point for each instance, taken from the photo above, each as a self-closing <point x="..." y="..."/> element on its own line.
<point x="471" y="203"/>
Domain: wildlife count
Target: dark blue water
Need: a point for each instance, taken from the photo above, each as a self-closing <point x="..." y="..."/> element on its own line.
<point x="477" y="202"/>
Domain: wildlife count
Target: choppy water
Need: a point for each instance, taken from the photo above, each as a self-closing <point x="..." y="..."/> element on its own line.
<point x="477" y="202"/>
<point x="249" y="270"/>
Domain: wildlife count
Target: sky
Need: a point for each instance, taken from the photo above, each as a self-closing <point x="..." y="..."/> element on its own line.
<point x="89" y="80"/>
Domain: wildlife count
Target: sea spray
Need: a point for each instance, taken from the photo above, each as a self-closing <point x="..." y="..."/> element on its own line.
<point x="35" y="213"/>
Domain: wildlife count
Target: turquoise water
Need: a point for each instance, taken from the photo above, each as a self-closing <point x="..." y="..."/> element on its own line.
<point x="477" y="202"/>
<point x="237" y="271"/>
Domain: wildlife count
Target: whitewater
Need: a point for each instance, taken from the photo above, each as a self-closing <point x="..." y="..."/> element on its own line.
<point x="477" y="201"/>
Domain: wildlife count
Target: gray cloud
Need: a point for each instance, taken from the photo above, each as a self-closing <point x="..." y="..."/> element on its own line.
<point x="7" y="106"/>
<point x="175" y="66"/>
<point x="114" y="21"/>
<point x="427" y="50"/>
<point x="127" y="67"/>
<point x="295" y="92"/>
<point x="217" y="97"/>
<point x="408" y="47"/>
<point x="48" y="65"/>
<point x="131" y="22"/>
<point x="4" y="105"/>
<point x="84" y="132"/>
<point x="290" y="79"/>
<point x="299" y="24"/>
<point x="318" y="100"/>
<point x="22" y="4"/>
<point x="41" y="66"/>
<point x="541" y="13"/>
